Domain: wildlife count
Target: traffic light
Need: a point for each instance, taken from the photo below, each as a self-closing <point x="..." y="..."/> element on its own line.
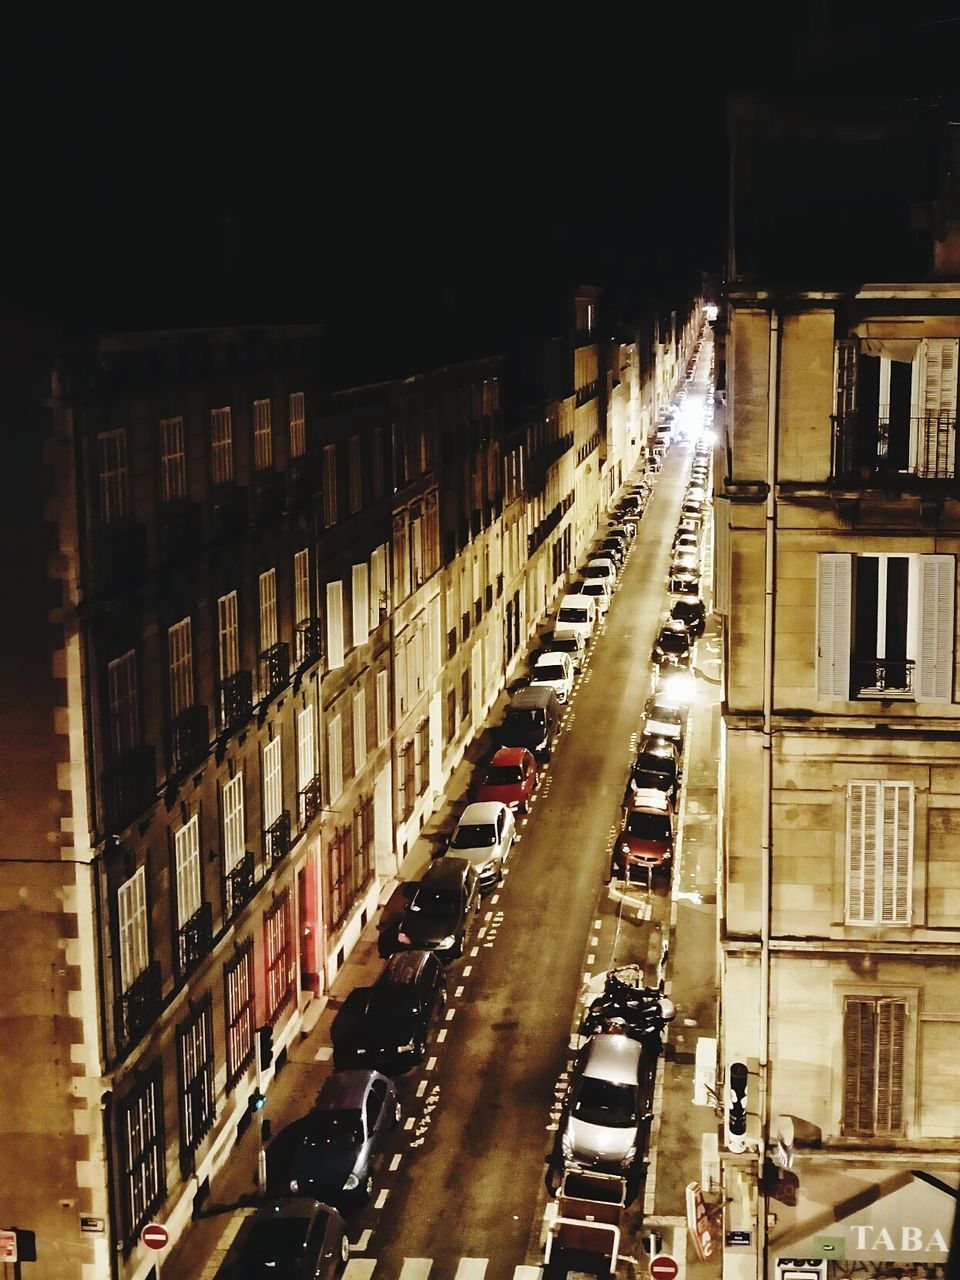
<point x="737" y="1107"/>
<point x="264" y="1047"/>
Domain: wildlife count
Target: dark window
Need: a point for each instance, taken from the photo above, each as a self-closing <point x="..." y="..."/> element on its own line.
<point x="195" y="1064"/>
<point x="140" y="1124"/>
<point x="238" y="1006"/>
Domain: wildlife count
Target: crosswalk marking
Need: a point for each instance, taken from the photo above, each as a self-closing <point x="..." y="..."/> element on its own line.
<point x="471" y="1269"/>
<point x="524" y="1272"/>
<point x="415" y="1268"/>
<point x="359" y="1269"/>
<point x="419" y="1269"/>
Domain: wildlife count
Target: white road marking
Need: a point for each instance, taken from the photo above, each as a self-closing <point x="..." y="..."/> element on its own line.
<point x="415" y="1268"/>
<point x="471" y="1269"/>
<point x="324" y="1053"/>
<point x="481" y="932"/>
<point x="488" y="916"/>
<point x="441" y="1035"/>
<point x="363" y="1242"/>
<point x="597" y="924"/>
<point x="496" y="898"/>
<point x="449" y="1015"/>
<point x="594" y="942"/>
<point x="421" y="1088"/>
<point x="431" y="1063"/>
<point x="381" y="1199"/>
<point x="526" y="1272"/>
<point x="586" y="979"/>
<point x="395" y="1163"/>
<point x="458" y="993"/>
<point x="591" y="958"/>
<point x="474" y="951"/>
<point x="359" y="1268"/>
<point x="467" y="969"/>
<point x="409" y="1122"/>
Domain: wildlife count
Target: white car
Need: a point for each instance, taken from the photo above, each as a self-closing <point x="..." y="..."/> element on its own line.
<point x="599" y="591"/>
<point x="572" y="643"/>
<point x="663" y="720"/>
<point x="686" y="542"/>
<point x="556" y="670"/>
<point x="483" y="836"/>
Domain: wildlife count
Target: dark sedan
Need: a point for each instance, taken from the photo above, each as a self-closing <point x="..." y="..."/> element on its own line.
<point x="386" y="1026"/>
<point x="301" y="1239"/>
<point x="343" y="1136"/>
<point x="692" y="613"/>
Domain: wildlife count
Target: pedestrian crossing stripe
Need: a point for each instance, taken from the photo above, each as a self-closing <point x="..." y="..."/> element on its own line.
<point x="419" y="1269"/>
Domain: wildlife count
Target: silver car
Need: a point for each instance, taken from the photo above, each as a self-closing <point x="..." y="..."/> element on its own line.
<point x="605" y="1105"/>
<point x="483" y="836"/>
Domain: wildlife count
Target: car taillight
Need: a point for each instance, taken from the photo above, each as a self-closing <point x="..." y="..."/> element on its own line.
<point x="403" y="937"/>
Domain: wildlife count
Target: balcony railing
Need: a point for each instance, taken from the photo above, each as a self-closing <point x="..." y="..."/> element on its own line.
<point x="310" y="801"/>
<point x="227" y="509"/>
<point x="548" y="524"/>
<point x="309" y="642"/>
<point x="179" y="528"/>
<point x="129" y="787"/>
<point x="188" y="740"/>
<point x="276" y="840"/>
<point x="268" y="493"/>
<point x="883" y="677"/>
<point x="138" y="1008"/>
<point x="238" y="886"/>
<point x="193" y="939"/>
<point x="274" y="669"/>
<point x="234" y="701"/>
<point x="120" y="551"/>
<point x="869" y="448"/>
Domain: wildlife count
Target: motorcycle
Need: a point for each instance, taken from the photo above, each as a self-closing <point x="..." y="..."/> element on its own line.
<point x="629" y="1008"/>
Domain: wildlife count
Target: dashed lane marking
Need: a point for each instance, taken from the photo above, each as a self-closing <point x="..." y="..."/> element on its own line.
<point x="381" y="1199"/>
<point x="395" y="1163"/>
<point x="431" y="1062"/>
<point x="409" y="1122"/>
<point x="441" y="1035"/>
<point x="421" y="1088"/>
<point x="448" y="1017"/>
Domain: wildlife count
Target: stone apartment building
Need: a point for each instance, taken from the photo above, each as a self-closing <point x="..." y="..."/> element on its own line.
<point x="837" y="537"/>
<point x="259" y="619"/>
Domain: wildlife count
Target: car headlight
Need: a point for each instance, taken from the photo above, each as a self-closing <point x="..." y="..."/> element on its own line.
<point x="624" y="848"/>
<point x="351" y="1183"/>
<point x="484" y="867"/>
<point x="448" y="941"/>
<point x="566" y="1145"/>
<point x="294" y="1185"/>
<point x="406" y="1048"/>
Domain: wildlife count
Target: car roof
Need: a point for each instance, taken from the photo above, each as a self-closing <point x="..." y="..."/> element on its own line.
<point x="509" y="756"/>
<point x="405" y="967"/>
<point x="445" y="872"/>
<point x="613" y="1057"/>
<point x="649" y="798"/>
<point x="345" y="1090"/>
<point x="531" y="699"/>
<point x="567" y="633"/>
<point x="298" y="1207"/>
<point x="550" y="657"/>
<point x="674" y="625"/>
<point x="481" y="811"/>
<point x="689" y="602"/>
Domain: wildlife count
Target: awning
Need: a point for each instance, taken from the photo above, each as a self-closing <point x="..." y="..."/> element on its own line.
<point x="901" y="349"/>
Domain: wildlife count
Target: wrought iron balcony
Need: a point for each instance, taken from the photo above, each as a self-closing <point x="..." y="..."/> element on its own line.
<point x="309" y="642"/>
<point x="138" y="1008"/>
<point x="129" y="787"/>
<point x="274" y="669"/>
<point x="188" y="740"/>
<point x="179" y="528"/>
<point x="310" y="801"/>
<point x="193" y="939"/>
<point x="276" y="840"/>
<point x="872" y="449"/>
<point x="268" y="493"/>
<point x="238" y="886"/>
<point x="227" y="509"/>
<point x="883" y="677"/>
<point x="234" y="701"/>
<point x="120" y="554"/>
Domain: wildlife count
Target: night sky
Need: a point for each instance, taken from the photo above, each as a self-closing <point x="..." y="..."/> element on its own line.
<point x="441" y="182"/>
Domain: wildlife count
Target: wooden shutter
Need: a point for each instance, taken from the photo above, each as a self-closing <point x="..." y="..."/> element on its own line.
<point x="862" y="852"/>
<point x="306" y="748"/>
<point x="272" y="782"/>
<point x="334" y="625"/>
<point x="897" y="853"/>
<point x="891" y="1036"/>
<point x="935" y="650"/>
<point x="859" y="1065"/>
<point x="848" y="350"/>
<point x="833" y="625"/>
<point x="187" y="842"/>
<point x="361" y="605"/>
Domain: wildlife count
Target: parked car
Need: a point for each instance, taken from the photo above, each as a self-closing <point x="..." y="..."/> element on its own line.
<point x="690" y="510"/>
<point x="686" y="542"/>
<point x="695" y="493"/>
<point x="442" y="908"/>
<point x="625" y="529"/>
<point x="532" y="720"/>
<point x="606" y="1104"/>
<point x="684" y="579"/>
<point x="555" y="670"/>
<point x="672" y="645"/>
<point x="645" y="841"/>
<point x="690" y="526"/>
<point x="572" y="643"/>
<point x="510" y="778"/>
<point x="483" y="836"/>
<point x="615" y="548"/>
<point x="692" y="613"/>
<point x="577" y="613"/>
<point x="661" y="720"/>
<point x="343" y="1135"/>
<point x="386" y="1026"/>
<point x="298" y="1237"/>
<point x="656" y="767"/>
<point x="598" y="589"/>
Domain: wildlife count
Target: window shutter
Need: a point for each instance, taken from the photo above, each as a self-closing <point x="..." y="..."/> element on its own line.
<point x="334" y="625"/>
<point x="935" y="653"/>
<point x="859" y="1059"/>
<point x="400" y="679"/>
<point x="891" y="1035"/>
<point x="833" y="625"/>
<point x="187" y="842"/>
<point x="848" y="350"/>
<point x="862" y="852"/>
<point x="306" y="750"/>
<point x="896" y="853"/>
<point x="361" y="605"/>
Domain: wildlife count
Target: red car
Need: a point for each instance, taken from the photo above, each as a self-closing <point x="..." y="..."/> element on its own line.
<point x="510" y="777"/>
<point x="646" y="836"/>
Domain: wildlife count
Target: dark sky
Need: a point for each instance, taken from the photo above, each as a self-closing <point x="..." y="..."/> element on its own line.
<point x="369" y="171"/>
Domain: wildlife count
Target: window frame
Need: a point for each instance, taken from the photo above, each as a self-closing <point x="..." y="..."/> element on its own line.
<point x="239" y="997"/>
<point x="113" y="476"/>
<point x="881" y="863"/>
<point x="189" y="873"/>
<point x="872" y="1089"/>
<point x="262" y="436"/>
<point x="329" y="485"/>
<point x="141" y="1141"/>
<point x="272" y="782"/>
<point x="298" y="424"/>
<point x="123" y="703"/>
<point x="180" y="667"/>
<point x="133" y="928"/>
<point x="221" y="446"/>
<point x="173" y="461"/>
<point x="195" y="1079"/>
<point x="228" y="636"/>
<point x="334" y="758"/>
<point x="233" y="821"/>
<point x="277" y="953"/>
<point x="267" y="595"/>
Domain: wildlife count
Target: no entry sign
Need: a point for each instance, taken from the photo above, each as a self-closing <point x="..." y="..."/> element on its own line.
<point x="156" y="1236"/>
<point x="664" y="1267"/>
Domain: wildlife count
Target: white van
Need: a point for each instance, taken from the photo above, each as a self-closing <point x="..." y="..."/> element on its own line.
<point x="577" y="613"/>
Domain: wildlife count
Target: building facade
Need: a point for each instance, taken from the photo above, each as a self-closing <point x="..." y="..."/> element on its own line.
<point x="838" y="532"/>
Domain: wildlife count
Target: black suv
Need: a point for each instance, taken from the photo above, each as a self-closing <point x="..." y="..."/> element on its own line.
<point x="657" y="767"/>
<point x="386" y="1026"/>
<point x="441" y="910"/>
<point x="692" y="613"/>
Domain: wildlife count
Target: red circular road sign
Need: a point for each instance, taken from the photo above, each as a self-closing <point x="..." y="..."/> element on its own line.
<point x="156" y="1236"/>
<point x="664" y="1267"/>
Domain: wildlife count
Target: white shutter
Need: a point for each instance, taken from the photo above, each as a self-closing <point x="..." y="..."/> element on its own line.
<point x="306" y="748"/>
<point x="400" y="677"/>
<point x="935" y="649"/>
<point x="833" y="625"/>
<point x="378" y="585"/>
<point x="132" y="911"/>
<point x="361" y="604"/>
<point x="268" y="610"/>
<point x="334" y="625"/>
<point x="359" y="731"/>
<point x="897" y="857"/>
<point x="383" y="707"/>
<point x="272" y="783"/>
<point x="334" y="757"/>
<point x="187" y="842"/>
<point x="861" y="852"/>
<point x="301" y="585"/>
<point x="234" y="825"/>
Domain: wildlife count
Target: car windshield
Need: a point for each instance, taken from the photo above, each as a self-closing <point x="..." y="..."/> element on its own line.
<point x="523" y="717"/>
<point x="594" y="589"/>
<point x="474" y="835"/>
<point x="643" y="778"/>
<point x="654" y="765"/>
<point x="673" y="642"/>
<point x="572" y="615"/>
<point x="502" y="775"/>
<point x="666" y="715"/>
<point x="548" y="672"/>
<point x="603" y="1103"/>
<point x="596" y="571"/>
<point x="566" y="644"/>
<point x="276" y="1242"/>
<point x="686" y="610"/>
<point x="648" y="826"/>
<point x="342" y="1130"/>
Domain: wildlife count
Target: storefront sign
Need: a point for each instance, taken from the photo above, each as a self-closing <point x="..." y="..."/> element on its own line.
<point x="701" y="1224"/>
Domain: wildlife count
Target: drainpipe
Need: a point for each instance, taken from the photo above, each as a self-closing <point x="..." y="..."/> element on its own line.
<point x="766" y="788"/>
